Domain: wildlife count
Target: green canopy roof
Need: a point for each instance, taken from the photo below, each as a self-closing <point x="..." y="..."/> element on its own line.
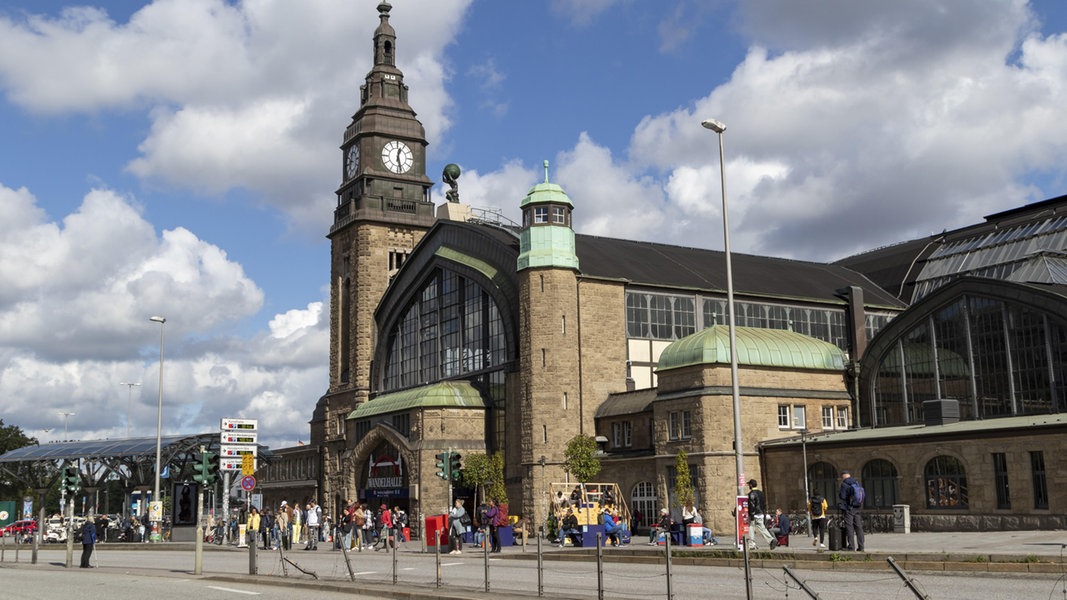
<point x="445" y="394"/>
<point x="755" y="347"/>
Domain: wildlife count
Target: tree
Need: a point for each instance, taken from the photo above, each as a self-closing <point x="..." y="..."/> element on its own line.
<point x="485" y="474"/>
<point x="12" y="438"/>
<point x="580" y="458"/>
<point x="683" y="481"/>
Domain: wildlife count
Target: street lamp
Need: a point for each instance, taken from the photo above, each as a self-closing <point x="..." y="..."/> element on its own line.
<point x="159" y="425"/>
<point x="718" y="127"/>
<point x="65" y="415"/>
<point x="129" y="405"/>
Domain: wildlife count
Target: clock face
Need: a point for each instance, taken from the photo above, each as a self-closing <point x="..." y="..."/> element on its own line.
<point x="396" y="156"/>
<point x="352" y="165"/>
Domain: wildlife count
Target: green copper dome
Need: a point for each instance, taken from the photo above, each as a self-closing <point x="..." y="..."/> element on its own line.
<point x="546" y="192"/>
<point x="755" y="347"/>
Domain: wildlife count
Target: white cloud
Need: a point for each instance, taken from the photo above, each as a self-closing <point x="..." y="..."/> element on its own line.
<point x="74" y="322"/>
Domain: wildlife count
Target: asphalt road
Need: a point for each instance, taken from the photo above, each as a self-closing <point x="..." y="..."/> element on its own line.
<point x="163" y="574"/>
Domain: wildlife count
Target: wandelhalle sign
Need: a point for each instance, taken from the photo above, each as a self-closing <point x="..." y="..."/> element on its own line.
<point x="385" y="476"/>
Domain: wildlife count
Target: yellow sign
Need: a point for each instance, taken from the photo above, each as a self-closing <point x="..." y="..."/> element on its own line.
<point x="248" y="465"/>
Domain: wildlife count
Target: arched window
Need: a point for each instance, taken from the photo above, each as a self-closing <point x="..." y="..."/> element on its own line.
<point x="879" y="479"/>
<point x="643" y="504"/>
<point x="946" y="483"/>
<point x="822" y="477"/>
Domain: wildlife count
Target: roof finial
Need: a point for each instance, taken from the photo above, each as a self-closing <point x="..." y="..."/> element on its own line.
<point x="546" y="171"/>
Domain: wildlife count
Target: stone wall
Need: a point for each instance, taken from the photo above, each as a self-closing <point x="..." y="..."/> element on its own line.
<point x="911" y="449"/>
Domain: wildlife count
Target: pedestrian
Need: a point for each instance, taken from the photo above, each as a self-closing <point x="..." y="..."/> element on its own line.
<point x="314" y="520"/>
<point x="252" y="529"/>
<point x="296" y="523"/>
<point x="283" y="520"/>
<point x="850" y="502"/>
<point x="368" y="526"/>
<point x="757" y="515"/>
<point x="782" y="526"/>
<point x="400" y="522"/>
<point x="347" y="525"/>
<point x="663" y="526"/>
<point x="88" y="541"/>
<point x="817" y="510"/>
<point x="457" y="527"/>
<point x="385" y="527"/>
<point x="491" y="515"/>
<point x="569" y="528"/>
<point x="611" y="528"/>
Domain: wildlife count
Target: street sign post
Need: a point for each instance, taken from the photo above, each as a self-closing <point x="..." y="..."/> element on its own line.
<point x="248" y="483"/>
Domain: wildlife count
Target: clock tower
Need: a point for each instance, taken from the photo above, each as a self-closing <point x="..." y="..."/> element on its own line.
<point x="383" y="210"/>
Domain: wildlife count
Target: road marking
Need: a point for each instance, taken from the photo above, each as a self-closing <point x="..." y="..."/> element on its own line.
<point x="366" y="572"/>
<point x="222" y="589"/>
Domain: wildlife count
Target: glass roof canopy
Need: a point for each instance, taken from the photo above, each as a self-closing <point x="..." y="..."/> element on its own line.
<point x="998" y="252"/>
<point x="135" y="448"/>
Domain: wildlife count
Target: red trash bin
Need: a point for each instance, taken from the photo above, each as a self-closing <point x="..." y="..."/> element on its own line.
<point x="437" y="529"/>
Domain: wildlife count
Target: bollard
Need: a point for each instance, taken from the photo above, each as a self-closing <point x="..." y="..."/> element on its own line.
<point x="540" y="563"/>
<point x="252" y="570"/>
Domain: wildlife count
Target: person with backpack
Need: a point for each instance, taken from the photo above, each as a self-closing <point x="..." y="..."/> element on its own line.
<point x="817" y="510"/>
<point x="757" y="515"/>
<point x="851" y="497"/>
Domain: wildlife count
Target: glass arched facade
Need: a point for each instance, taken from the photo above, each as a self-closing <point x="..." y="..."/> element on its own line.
<point x="946" y="483"/>
<point x="996" y="357"/>
<point x="452" y="329"/>
<point x="822" y="478"/>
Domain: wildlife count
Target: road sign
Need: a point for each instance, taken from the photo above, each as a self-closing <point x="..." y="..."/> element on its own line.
<point x="243" y="425"/>
<point x="239" y="437"/>
<point x="248" y="464"/>
<point x="237" y="450"/>
<point x="236" y="463"/>
<point x="248" y="483"/>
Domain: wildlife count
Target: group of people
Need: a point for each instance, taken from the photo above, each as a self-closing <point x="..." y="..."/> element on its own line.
<point x="850" y="498"/>
<point x="288" y="523"/>
<point x="360" y="527"/>
<point x="690" y="516"/>
<point x="489" y="518"/>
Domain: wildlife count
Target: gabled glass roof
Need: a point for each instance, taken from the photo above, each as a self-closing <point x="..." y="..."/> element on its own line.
<point x="995" y="253"/>
<point x="118" y="448"/>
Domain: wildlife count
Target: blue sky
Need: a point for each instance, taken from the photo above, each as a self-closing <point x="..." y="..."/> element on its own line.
<point x="180" y="158"/>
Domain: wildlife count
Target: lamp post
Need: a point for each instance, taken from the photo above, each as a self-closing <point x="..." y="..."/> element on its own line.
<point x="65" y="415"/>
<point x="807" y="492"/>
<point x="129" y="404"/>
<point x="718" y="127"/>
<point x="155" y="536"/>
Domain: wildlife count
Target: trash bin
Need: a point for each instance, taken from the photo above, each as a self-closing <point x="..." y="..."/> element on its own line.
<point x="695" y="534"/>
<point x="437" y="530"/>
<point x="901" y="518"/>
<point x="835" y="534"/>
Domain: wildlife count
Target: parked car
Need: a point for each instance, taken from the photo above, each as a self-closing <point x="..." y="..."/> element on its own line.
<point x="20" y="529"/>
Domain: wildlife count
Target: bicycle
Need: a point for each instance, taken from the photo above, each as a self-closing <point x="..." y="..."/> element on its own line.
<point x="799" y="524"/>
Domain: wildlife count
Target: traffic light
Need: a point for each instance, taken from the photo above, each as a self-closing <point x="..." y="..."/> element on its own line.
<point x="455" y="465"/>
<point x="212" y="473"/>
<point x="206" y="468"/>
<point x="71" y="479"/>
<point x="200" y="469"/>
<point x="442" y="465"/>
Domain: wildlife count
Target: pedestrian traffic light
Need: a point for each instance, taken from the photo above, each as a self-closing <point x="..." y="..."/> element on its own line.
<point x="455" y="465"/>
<point x="442" y="465"/>
<point x="71" y="479"/>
